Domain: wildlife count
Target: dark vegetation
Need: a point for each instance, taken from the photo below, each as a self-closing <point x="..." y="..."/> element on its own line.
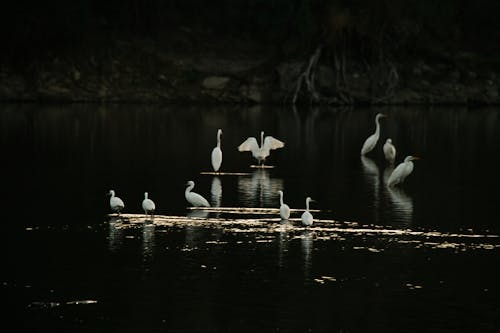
<point x="328" y="51"/>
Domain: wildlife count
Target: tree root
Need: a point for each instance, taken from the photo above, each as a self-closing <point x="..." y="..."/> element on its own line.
<point x="307" y="78"/>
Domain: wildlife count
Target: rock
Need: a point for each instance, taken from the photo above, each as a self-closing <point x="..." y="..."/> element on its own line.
<point x="215" y="82"/>
<point x="252" y="93"/>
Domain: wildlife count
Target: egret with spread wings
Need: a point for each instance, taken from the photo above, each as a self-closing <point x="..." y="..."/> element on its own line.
<point x="266" y="145"/>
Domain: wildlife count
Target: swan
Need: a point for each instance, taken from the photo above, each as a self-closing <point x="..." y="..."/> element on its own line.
<point x="217" y="153"/>
<point x="194" y="198"/>
<point x="371" y="141"/>
<point x="389" y="151"/>
<point x="266" y="145"/>
<point x="284" y="209"/>
<point x="116" y="204"/>
<point x="307" y="218"/>
<point x="148" y="205"/>
<point x="402" y="171"/>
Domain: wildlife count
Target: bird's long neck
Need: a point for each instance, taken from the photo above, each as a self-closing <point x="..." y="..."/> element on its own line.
<point x="189" y="188"/>
<point x="281" y="198"/>
<point x="261" y="139"/>
<point x="377" y="126"/>
<point x="218" y="139"/>
<point x="145" y="195"/>
<point x="112" y="194"/>
<point x="307" y="204"/>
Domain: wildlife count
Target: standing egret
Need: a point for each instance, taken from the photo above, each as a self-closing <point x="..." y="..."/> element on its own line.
<point x="389" y="151"/>
<point x="307" y="218"/>
<point x="116" y="204"/>
<point x="148" y="205"/>
<point x="194" y="198"/>
<point x="217" y="153"/>
<point x="402" y="171"/>
<point x="372" y="139"/>
<point x="284" y="209"/>
<point x="260" y="153"/>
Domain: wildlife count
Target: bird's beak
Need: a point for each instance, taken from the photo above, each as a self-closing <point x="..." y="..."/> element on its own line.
<point x="417" y="158"/>
<point x="384" y="115"/>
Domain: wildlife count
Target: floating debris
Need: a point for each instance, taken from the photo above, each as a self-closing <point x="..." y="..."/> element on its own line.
<point x="225" y="173"/>
<point x="268" y="230"/>
<point x="82" y="302"/>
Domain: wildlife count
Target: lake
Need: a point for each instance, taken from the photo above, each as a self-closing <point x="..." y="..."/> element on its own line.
<point x="421" y="257"/>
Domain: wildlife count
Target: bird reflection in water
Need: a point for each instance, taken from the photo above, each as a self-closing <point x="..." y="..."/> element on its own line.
<point x="387" y="173"/>
<point x="115" y="236"/>
<point x="259" y="190"/>
<point x="371" y="174"/>
<point x="283" y="237"/>
<point x="197" y="213"/>
<point x="402" y="207"/>
<point x="306" y="242"/>
<point x="216" y="192"/>
<point x="148" y="240"/>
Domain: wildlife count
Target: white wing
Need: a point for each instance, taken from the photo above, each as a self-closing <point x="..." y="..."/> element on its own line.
<point x="216" y="158"/>
<point x="389" y="152"/>
<point x="116" y="203"/>
<point x="369" y="144"/>
<point x="397" y="175"/>
<point x="148" y="205"/>
<point x="250" y="144"/>
<point x="197" y="200"/>
<point x="284" y="212"/>
<point x="272" y="143"/>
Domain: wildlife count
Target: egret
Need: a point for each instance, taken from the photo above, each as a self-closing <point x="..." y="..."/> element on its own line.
<point x="116" y="204"/>
<point x="217" y="153"/>
<point x="372" y="139"/>
<point x="307" y="218"/>
<point x="260" y="153"/>
<point x="284" y="209"/>
<point x="194" y="198"/>
<point x="148" y="205"/>
<point x="389" y="151"/>
<point x="402" y="171"/>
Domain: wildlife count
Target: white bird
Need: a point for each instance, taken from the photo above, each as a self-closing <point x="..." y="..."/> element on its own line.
<point x="194" y="198"/>
<point x="389" y="151"/>
<point x="217" y="153"/>
<point x="402" y="171"/>
<point x="148" y="205"/>
<point x="371" y="141"/>
<point x="307" y="218"/>
<point x="116" y="204"/>
<point x="284" y="209"/>
<point x="260" y="153"/>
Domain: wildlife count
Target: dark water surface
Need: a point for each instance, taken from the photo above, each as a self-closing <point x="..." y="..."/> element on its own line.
<point x="413" y="259"/>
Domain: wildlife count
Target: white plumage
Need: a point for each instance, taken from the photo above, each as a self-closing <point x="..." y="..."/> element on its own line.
<point x="371" y="141"/>
<point x="193" y="198"/>
<point x="217" y="153"/>
<point x="116" y="204"/>
<point x="389" y="151"/>
<point x="284" y="209"/>
<point x="266" y="145"/>
<point x="402" y="171"/>
<point x="148" y="205"/>
<point x="307" y="218"/>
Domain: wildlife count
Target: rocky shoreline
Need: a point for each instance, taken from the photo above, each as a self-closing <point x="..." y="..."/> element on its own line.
<point x="130" y="73"/>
